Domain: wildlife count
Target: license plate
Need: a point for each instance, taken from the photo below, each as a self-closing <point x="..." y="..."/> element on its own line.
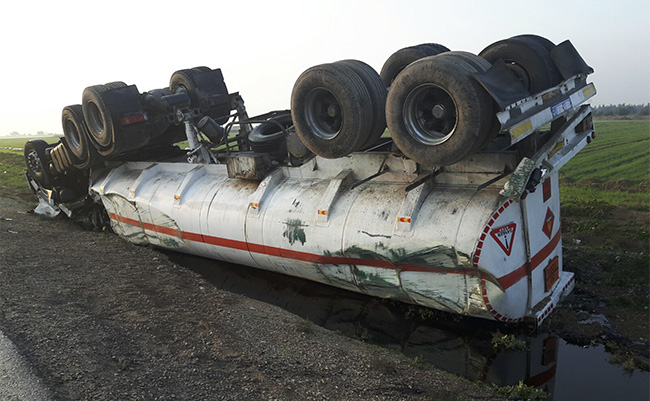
<point x="561" y="107"/>
<point x="551" y="273"/>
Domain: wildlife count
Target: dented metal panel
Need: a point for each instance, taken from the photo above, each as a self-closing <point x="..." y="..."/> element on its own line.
<point x="440" y="245"/>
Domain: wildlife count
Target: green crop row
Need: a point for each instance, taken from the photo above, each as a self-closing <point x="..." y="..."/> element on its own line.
<point x="19" y="142"/>
<point x="613" y="169"/>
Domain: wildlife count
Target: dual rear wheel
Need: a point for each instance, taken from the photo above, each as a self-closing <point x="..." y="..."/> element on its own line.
<point x="437" y="112"/>
<point x="338" y="108"/>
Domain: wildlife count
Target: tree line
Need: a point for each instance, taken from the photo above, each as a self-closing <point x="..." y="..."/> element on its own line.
<point x="622" y="110"/>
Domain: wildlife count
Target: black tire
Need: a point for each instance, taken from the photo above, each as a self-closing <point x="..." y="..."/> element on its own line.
<point x="403" y="57"/>
<point x="116" y="84"/>
<point x="97" y="116"/>
<point x="528" y="60"/>
<point x="547" y="44"/>
<point x="75" y="133"/>
<point x="183" y="81"/>
<point x="37" y="161"/>
<point x="432" y="48"/>
<point x="378" y="93"/>
<point x="269" y="137"/>
<point x="478" y="64"/>
<point x="206" y="89"/>
<point x="202" y="69"/>
<point x="436" y="111"/>
<point x="474" y="64"/>
<point x="103" y="107"/>
<point x="329" y="107"/>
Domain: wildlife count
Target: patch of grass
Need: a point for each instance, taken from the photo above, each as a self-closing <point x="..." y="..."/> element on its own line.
<point x="613" y="169"/>
<point x="628" y="361"/>
<point x="419" y="313"/>
<point x="633" y="303"/>
<point x="12" y="166"/>
<point x="507" y="342"/>
<point x="520" y="391"/>
<point x="420" y="363"/>
<point x="12" y="180"/>
<point x="19" y="142"/>
<point x="577" y="196"/>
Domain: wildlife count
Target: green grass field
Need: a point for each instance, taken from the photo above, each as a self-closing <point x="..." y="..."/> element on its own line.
<point x="19" y="142"/>
<point x="12" y="164"/>
<point x="613" y="169"/>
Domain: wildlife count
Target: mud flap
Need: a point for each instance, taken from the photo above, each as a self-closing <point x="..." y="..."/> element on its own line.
<point x="568" y="61"/>
<point x="502" y="84"/>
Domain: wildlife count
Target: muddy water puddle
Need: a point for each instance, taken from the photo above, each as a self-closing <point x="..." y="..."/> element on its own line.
<point x="458" y="345"/>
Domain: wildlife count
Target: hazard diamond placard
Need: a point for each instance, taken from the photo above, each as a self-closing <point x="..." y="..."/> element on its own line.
<point x="505" y="236"/>
<point x="547" y="228"/>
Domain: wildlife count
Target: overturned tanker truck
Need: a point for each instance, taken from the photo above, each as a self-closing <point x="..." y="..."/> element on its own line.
<point x="455" y="207"/>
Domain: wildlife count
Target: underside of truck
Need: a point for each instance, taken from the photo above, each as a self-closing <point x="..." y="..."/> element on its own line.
<point x="433" y="182"/>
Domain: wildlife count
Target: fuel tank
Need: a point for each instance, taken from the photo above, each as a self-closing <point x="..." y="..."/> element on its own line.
<point x="369" y="222"/>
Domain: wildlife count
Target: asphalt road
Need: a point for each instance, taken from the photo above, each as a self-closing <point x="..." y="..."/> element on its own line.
<point x="17" y="380"/>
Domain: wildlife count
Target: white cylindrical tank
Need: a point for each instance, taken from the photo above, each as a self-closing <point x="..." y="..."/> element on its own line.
<point x="443" y="244"/>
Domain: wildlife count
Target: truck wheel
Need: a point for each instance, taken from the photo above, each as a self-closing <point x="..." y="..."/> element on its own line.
<point x="75" y="132"/>
<point x="474" y="63"/>
<point x="377" y="91"/>
<point x="329" y="107"/>
<point x="268" y="137"/>
<point x="116" y="84"/>
<point x="436" y="111"/>
<point x="206" y="89"/>
<point x="547" y="44"/>
<point x="528" y="60"/>
<point x="182" y="81"/>
<point x="202" y="69"/>
<point x="432" y="48"/>
<point x="98" y="116"/>
<point x="103" y="107"/>
<point x="36" y="160"/>
<point x="478" y="64"/>
<point x="403" y="57"/>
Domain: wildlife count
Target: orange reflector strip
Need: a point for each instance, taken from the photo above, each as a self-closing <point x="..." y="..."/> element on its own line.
<point x="255" y="204"/>
<point x="177" y="197"/>
<point x="133" y="119"/>
<point x="404" y="219"/>
<point x="323" y="212"/>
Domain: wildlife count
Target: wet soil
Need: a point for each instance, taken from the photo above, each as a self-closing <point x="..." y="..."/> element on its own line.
<point x="99" y="318"/>
<point x="608" y="250"/>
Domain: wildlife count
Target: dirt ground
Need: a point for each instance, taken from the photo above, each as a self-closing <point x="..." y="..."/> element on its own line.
<point x="610" y="304"/>
<point x="98" y="318"/>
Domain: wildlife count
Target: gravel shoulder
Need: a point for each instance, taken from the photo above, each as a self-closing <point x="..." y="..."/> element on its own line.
<point x="98" y="318"/>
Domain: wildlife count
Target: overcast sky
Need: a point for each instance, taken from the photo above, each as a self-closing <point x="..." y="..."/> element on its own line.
<point x="52" y="50"/>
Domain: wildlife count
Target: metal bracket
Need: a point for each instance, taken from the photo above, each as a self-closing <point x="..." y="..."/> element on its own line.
<point x="410" y="207"/>
<point x="143" y="177"/>
<point x="193" y="175"/>
<point x="506" y="172"/>
<point x="382" y="170"/>
<point x="422" y="179"/>
<point x="331" y="194"/>
<point x="267" y="184"/>
<point x="528" y="115"/>
<point x="198" y="152"/>
<point x="557" y="151"/>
